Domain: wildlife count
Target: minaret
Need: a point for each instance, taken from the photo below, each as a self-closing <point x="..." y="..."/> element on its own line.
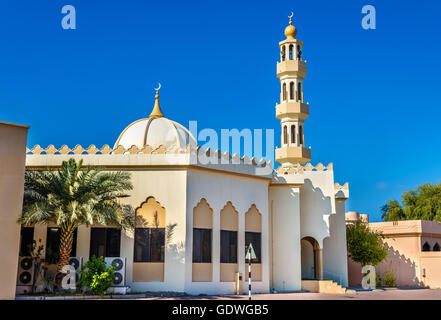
<point x="292" y="111"/>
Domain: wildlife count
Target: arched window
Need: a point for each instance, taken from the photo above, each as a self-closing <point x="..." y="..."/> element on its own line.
<point x="202" y="242"/>
<point x="291" y="90"/>
<point x="284" y="91"/>
<point x="283" y="53"/>
<point x="293" y="133"/>
<point x="299" y="91"/>
<point x="301" y="135"/>
<point x="285" y="135"/>
<point x="299" y="53"/>
<point x="150" y="235"/>
<point x="229" y="229"/>
<point x="253" y="235"/>
<point x="291" y="53"/>
<point x="426" y="247"/>
<point x="436" y="247"/>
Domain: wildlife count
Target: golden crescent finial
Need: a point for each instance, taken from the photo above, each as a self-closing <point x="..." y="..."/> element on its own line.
<point x="159" y="86"/>
<point x="290" y="17"/>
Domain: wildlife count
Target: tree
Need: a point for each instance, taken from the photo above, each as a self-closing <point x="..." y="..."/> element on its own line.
<point x="424" y="203"/>
<point x="364" y="245"/>
<point x="75" y="195"/>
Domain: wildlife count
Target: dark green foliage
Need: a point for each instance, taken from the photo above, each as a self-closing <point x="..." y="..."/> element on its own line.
<point x="424" y="203"/>
<point x="364" y="246"/>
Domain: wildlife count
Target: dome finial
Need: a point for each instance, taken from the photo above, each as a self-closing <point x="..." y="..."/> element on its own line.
<point x="156" y="112"/>
<point x="290" y="31"/>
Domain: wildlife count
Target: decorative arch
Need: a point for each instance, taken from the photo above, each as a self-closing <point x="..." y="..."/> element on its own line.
<point x="283" y="53"/>
<point x="436" y="247"/>
<point x="229" y="217"/>
<point x="426" y="246"/>
<point x="150" y="214"/>
<point x="203" y="215"/>
<point x="253" y="219"/>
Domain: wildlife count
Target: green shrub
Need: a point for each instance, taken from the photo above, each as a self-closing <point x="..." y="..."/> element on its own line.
<point x="389" y="279"/>
<point x="95" y="276"/>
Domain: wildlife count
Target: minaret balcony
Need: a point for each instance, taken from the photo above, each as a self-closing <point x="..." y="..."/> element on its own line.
<point x="291" y="66"/>
<point x="292" y="108"/>
<point x="293" y="154"/>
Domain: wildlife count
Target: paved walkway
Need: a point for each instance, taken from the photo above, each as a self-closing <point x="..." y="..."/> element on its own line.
<point x="388" y="294"/>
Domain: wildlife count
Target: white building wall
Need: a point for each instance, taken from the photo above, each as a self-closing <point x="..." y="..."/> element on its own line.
<point x="243" y="192"/>
<point x="169" y="189"/>
<point x="335" y="264"/>
<point x="285" y="207"/>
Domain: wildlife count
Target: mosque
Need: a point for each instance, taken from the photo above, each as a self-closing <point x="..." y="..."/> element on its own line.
<point x="217" y="204"/>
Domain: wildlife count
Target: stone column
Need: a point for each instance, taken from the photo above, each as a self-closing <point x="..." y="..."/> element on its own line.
<point x="318" y="263"/>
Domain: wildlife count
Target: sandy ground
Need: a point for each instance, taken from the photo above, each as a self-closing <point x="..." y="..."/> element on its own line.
<point x="388" y="294"/>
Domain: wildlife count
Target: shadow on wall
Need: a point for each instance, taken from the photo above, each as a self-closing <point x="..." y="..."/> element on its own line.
<point x="403" y="268"/>
<point x="317" y="206"/>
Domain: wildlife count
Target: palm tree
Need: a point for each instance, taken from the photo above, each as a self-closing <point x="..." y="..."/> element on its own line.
<point x="73" y="196"/>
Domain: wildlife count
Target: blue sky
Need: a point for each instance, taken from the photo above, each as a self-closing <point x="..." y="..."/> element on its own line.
<point x="375" y="95"/>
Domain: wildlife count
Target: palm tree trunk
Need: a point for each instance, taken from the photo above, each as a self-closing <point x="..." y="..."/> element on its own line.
<point x="66" y="240"/>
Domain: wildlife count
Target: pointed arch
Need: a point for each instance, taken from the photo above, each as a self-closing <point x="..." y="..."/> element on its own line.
<point x="283" y="53"/>
<point x="291" y="52"/>
<point x="436" y="247"/>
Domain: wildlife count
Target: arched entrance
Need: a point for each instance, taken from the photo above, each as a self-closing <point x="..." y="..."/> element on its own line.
<point x="312" y="259"/>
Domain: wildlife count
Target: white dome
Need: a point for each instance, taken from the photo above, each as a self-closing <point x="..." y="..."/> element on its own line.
<point x="155" y="132"/>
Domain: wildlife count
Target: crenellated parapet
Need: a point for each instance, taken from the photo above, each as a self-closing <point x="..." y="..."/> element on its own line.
<point x="195" y="155"/>
<point x="300" y="169"/>
<point x="341" y="191"/>
<point x="93" y="150"/>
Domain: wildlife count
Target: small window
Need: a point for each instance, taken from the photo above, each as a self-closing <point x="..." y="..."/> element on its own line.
<point x="105" y="242"/>
<point x="202" y="245"/>
<point x="27" y="237"/>
<point x="53" y="245"/>
<point x="228" y="246"/>
<point x="426" y="247"/>
<point x="299" y="91"/>
<point x="291" y="90"/>
<point x="283" y="53"/>
<point x="284" y="92"/>
<point x="149" y="244"/>
<point x="255" y="239"/>
<point x="285" y="135"/>
<point x="293" y="133"/>
<point x="301" y="135"/>
<point x="299" y="53"/>
<point x="436" y="247"/>
<point x="291" y="56"/>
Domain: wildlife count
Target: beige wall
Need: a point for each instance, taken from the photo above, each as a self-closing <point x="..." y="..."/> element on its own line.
<point x="12" y="166"/>
<point x="404" y="240"/>
<point x="203" y="218"/>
